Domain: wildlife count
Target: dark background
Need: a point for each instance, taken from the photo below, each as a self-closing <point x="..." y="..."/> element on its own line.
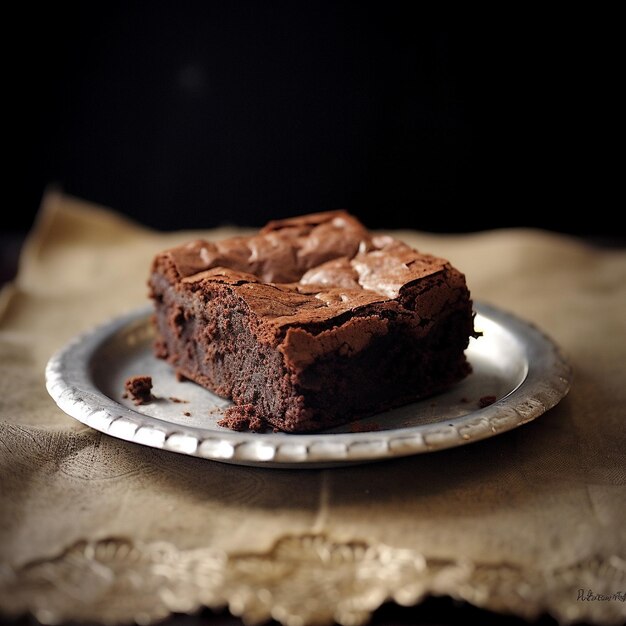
<point x="193" y="114"/>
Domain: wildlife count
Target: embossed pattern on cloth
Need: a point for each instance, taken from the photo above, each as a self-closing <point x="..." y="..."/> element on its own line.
<point x="303" y="579"/>
<point x="518" y="523"/>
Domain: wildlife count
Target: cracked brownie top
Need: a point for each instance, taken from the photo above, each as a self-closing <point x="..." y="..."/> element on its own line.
<point x="313" y="268"/>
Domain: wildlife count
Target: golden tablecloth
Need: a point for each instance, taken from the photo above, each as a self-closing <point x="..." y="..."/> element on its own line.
<point x="95" y="528"/>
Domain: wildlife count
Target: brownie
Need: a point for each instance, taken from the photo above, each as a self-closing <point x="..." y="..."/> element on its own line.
<point x="312" y="322"/>
<point x="139" y="389"/>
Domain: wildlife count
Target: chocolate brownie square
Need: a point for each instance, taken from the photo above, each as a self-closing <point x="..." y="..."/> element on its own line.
<point x="312" y="322"/>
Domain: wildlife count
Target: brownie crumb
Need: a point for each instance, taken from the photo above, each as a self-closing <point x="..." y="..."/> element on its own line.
<point x="243" y="417"/>
<point x="139" y="388"/>
<point x="178" y="400"/>
<point x="187" y="413"/>
<point x="181" y="378"/>
<point x="486" y="401"/>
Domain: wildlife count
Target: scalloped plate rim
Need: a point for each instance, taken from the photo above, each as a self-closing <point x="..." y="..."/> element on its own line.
<point x="546" y="382"/>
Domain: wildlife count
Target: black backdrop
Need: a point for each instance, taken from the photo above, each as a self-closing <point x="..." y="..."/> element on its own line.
<point x="189" y="114"/>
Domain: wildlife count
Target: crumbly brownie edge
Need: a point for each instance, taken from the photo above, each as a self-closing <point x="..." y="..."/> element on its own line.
<point x="207" y="337"/>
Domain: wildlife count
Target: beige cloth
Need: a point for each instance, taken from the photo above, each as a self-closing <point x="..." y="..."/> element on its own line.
<point x="95" y="528"/>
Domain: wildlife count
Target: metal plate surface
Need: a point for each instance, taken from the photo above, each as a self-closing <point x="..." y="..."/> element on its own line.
<point x="513" y="361"/>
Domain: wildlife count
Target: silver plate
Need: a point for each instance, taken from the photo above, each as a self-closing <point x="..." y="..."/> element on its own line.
<point x="512" y="361"/>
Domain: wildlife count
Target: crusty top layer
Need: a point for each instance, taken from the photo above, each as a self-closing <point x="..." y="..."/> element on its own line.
<point x="312" y="268"/>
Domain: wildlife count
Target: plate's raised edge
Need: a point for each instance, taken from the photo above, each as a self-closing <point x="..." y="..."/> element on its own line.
<point x="68" y="382"/>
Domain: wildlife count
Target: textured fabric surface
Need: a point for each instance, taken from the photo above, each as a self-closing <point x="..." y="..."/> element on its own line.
<point x="92" y="527"/>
